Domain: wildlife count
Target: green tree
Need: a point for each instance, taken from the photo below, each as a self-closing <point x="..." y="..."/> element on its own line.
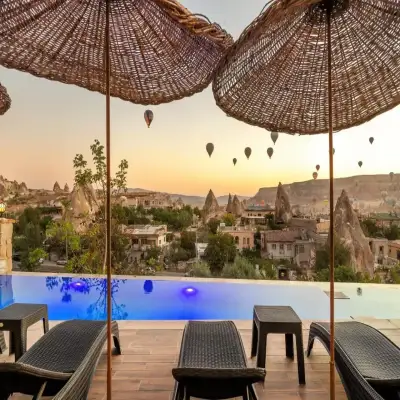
<point x="221" y="249"/>
<point x="370" y="228"/>
<point x="341" y="253"/>
<point x="188" y="242"/>
<point x="342" y="274"/>
<point x="229" y="219"/>
<point x="91" y="258"/>
<point x="33" y="259"/>
<point x="62" y="238"/>
<point x="392" y="232"/>
<point x="213" y="225"/>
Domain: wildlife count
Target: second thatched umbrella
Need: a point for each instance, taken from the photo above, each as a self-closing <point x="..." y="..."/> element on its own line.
<point x="312" y="66"/>
<point x="5" y="101"/>
<point x="143" y="51"/>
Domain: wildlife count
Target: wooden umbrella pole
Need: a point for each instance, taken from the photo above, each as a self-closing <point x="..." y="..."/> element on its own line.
<point x="108" y="196"/>
<point x="331" y="224"/>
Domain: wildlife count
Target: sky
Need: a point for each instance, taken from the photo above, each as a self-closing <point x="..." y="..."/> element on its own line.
<point x="49" y="123"/>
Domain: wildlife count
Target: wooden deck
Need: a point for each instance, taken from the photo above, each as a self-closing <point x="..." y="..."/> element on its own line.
<point x="151" y="349"/>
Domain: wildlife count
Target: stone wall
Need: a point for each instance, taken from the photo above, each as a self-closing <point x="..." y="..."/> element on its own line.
<point x="6" y="231"/>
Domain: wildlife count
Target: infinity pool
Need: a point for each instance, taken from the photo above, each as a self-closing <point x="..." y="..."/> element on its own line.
<point x="135" y="299"/>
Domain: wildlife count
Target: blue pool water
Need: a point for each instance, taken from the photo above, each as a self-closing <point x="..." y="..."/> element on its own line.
<point x="135" y="299"/>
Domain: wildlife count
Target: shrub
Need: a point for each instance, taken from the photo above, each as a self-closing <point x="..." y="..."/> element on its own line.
<point x="201" y="270"/>
<point x="240" y="269"/>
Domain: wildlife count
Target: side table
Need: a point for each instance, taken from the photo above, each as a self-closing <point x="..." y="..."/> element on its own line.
<point x="277" y="319"/>
<point x="16" y="319"/>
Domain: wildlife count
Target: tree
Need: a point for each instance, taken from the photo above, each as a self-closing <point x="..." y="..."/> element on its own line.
<point x="341" y="253"/>
<point x="229" y="219"/>
<point x="221" y="249"/>
<point x="342" y="274"/>
<point x="33" y="259"/>
<point x="213" y="225"/>
<point x="240" y="269"/>
<point x="392" y="233"/>
<point x="62" y="238"/>
<point x="188" y="242"/>
<point x="91" y="258"/>
<point x="370" y="228"/>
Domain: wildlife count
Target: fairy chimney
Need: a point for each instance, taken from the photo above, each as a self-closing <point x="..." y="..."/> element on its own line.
<point x="22" y="188"/>
<point x="66" y="188"/>
<point x="56" y="188"/>
<point x="229" y="205"/>
<point x="236" y="206"/>
<point x="283" y="211"/>
<point x="348" y="230"/>
<point x="211" y="206"/>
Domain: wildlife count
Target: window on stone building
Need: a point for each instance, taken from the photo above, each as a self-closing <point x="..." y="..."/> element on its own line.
<point x="273" y="246"/>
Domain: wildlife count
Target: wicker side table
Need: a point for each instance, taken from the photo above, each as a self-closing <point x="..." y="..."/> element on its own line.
<point x="16" y="319"/>
<point x="277" y="319"/>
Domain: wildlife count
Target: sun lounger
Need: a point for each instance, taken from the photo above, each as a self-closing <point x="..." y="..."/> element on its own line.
<point x="212" y="363"/>
<point x="367" y="361"/>
<point x="61" y="363"/>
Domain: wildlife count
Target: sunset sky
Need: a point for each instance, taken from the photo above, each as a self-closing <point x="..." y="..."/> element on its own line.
<point x="49" y="123"/>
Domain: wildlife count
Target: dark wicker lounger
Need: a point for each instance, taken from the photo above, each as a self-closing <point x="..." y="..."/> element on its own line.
<point x="61" y="363"/>
<point x="212" y="363"/>
<point x="367" y="361"/>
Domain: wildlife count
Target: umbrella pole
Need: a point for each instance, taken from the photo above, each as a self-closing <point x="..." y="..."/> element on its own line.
<point x="108" y="196"/>
<point x="331" y="224"/>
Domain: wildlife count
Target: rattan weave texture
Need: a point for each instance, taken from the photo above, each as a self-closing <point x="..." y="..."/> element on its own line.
<point x="363" y="357"/>
<point x="5" y="100"/>
<point x="275" y="76"/>
<point x="159" y="51"/>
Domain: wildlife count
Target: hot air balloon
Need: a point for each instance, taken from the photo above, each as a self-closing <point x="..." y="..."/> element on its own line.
<point x="148" y="117"/>
<point x="247" y="151"/>
<point x="371" y="140"/>
<point x="209" y="148"/>
<point x="234" y="161"/>
<point x="360" y="163"/>
<point x="317" y="167"/>
<point x="274" y="136"/>
<point x="315" y="175"/>
<point x="391" y="176"/>
<point x="270" y="151"/>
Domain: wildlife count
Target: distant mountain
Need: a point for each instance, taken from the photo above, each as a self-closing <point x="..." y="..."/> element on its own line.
<point x="191" y="200"/>
<point x="361" y="187"/>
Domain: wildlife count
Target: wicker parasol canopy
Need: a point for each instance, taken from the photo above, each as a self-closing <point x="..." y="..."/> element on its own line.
<point x="276" y="74"/>
<point x="5" y="101"/>
<point x="159" y="51"/>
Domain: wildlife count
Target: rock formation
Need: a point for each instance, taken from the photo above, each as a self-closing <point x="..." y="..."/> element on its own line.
<point x="56" y="188"/>
<point x="211" y="206"/>
<point x="229" y="205"/>
<point x="347" y="228"/>
<point x="283" y="211"/>
<point x="22" y="189"/>
<point x="237" y="209"/>
<point x="66" y="188"/>
<point x="83" y="204"/>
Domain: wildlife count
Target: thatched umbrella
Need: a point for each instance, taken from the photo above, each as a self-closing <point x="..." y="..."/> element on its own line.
<point x="143" y="51"/>
<point x="5" y="101"/>
<point x="312" y="66"/>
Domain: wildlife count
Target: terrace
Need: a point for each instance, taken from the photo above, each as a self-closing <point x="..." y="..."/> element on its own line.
<point x="151" y="335"/>
<point x="151" y="349"/>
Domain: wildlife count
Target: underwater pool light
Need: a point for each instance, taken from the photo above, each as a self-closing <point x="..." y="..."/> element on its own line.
<point x="189" y="291"/>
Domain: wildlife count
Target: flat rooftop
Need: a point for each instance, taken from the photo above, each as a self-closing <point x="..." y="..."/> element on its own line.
<point x="151" y="349"/>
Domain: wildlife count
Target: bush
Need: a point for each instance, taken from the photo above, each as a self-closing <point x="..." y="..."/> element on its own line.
<point x="201" y="270"/>
<point x="240" y="269"/>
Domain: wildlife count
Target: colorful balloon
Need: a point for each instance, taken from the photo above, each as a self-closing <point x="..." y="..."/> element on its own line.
<point x="315" y="175"/>
<point x="360" y="163"/>
<point x="270" y="152"/>
<point x="274" y="136"/>
<point x="148" y="117"/>
<point x="234" y="161"/>
<point x="209" y="148"/>
<point x="247" y="152"/>
<point x="317" y="167"/>
<point x="371" y="140"/>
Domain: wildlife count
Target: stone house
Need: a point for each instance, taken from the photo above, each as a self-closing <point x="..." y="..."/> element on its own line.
<point x="256" y="215"/>
<point x="294" y="246"/>
<point x="243" y="236"/>
<point x="380" y="249"/>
